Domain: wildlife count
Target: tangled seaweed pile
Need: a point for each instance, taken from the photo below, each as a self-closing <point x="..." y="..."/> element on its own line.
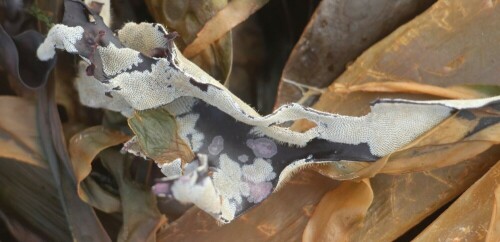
<point x="218" y="153"/>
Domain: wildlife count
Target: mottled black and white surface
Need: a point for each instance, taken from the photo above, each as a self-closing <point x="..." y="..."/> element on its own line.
<point x="242" y="156"/>
<point x="246" y="167"/>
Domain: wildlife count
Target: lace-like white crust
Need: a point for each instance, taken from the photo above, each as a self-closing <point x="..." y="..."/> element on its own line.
<point x="390" y="125"/>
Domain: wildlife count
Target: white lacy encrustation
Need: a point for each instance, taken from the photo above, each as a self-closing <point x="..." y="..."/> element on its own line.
<point x="390" y="125"/>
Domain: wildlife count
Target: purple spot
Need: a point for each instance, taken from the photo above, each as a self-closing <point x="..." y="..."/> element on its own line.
<point x="259" y="192"/>
<point x="216" y="146"/>
<point x="243" y="158"/>
<point x="263" y="147"/>
<point x="161" y="189"/>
